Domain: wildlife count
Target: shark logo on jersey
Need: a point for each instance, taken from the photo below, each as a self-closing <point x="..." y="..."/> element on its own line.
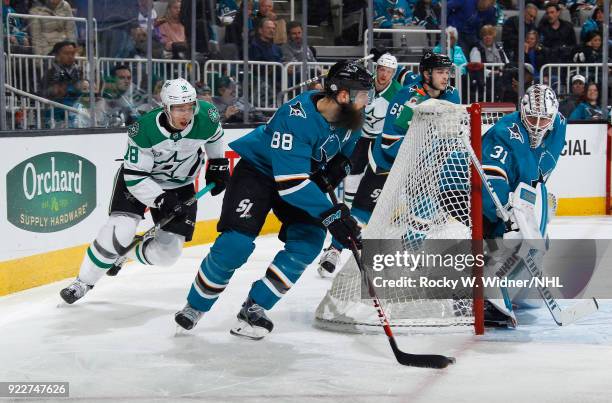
<point x="328" y="149"/>
<point x="515" y="133"/>
<point x="297" y="110"/>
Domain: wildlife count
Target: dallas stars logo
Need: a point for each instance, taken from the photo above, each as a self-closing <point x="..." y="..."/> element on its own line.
<point x="371" y="119"/>
<point x="169" y="167"/>
<point x="515" y="133"/>
<point x="297" y="110"/>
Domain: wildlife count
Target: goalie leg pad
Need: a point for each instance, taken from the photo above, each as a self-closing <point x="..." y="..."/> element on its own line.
<point x="303" y="244"/>
<point x="230" y="251"/>
<point x="118" y="232"/>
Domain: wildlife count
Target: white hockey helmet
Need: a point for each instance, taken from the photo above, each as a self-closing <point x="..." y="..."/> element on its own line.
<point x="177" y="92"/>
<point x="539" y="108"/>
<point x="387" y="60"/>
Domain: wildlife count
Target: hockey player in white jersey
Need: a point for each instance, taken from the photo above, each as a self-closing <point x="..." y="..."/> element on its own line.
<point x="163" y="159"/>
<point x="385" y="88"/>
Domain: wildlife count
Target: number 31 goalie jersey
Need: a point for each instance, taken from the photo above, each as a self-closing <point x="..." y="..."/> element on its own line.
<point x="156" y="159"/>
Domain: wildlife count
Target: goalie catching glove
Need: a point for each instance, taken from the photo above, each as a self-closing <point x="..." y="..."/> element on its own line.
<point x="341" y="224"/>
<point x="335" y="170"/>
<point x="217" y="172"/>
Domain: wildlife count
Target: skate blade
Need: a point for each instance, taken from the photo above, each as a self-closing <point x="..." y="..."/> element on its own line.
<point x="243" y="329"/>
<point x="181" y="332"/>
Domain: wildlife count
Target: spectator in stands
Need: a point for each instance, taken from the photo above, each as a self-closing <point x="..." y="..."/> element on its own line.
<point x="486" y="51"/>
<point x="117" y="92"/>
<point x="292" y="50"/>
<point x="82" y="119"/>
<point x="571" y="101"/>
<point x="47" y="32"/>
<point x="510" y="30"/>
<point x="230" y="107"/>
<point x="226" y="11"/>
<point x="62" y="82"/>
<point x="556" y="34"/>
<point x="203" y="92"/>
<point x="535" y="54"/>
<point x="426" y="14"/>
<point x="233" y="32"/>
<point x="456" y="52"/>
<point x="593" y="24"/>
<point x="577" y="6"/>
<point x="172" y="32"/>
<point x="590" y="50"/>
<point x="468" y="16"/>
<point x="143" y="10"/>
<point x="507" y="90"/>
<point x="262" y="47"/>
<point x="136" y="46"/>
<point x="589" y="108"/>
<point x="266" y="10"/>
<point x="390" y="13"/>
<point x="15" y="31"/>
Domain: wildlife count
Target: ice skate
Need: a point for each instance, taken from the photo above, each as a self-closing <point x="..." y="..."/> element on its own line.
<point x="252" y="322"/>
<point x="75" y="291"/>
<point x="329" y="260"/>
<point x="188" y="317"/>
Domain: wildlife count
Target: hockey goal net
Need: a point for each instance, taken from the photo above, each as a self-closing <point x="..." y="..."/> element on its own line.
<point x="432" y="192"/>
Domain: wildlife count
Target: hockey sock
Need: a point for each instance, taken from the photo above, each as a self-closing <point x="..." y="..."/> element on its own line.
<point x="230" y="251"/>
<point x="304" y="242"/>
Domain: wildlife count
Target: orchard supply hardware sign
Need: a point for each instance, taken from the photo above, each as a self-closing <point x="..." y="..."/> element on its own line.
<point x="50" y="192"/>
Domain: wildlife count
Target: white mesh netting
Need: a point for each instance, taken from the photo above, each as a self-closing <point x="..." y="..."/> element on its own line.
<point x="426" y="196"/>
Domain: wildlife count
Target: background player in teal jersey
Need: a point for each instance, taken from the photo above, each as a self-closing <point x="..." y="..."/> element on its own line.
<point x="433" y="83"/>
<point x="162" y="160"/>
<point x="314" y="132"/>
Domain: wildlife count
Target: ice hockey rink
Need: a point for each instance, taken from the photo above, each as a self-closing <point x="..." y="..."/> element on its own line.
<point x="119" y="344"/>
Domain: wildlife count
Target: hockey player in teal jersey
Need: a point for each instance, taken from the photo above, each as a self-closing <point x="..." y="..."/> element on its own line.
<point x="518" y="155"/>
<point x="162" y="161"/>
<point x="435" y="74"/>
<point x="522" y="147"/>
<point x="313" y="133"/>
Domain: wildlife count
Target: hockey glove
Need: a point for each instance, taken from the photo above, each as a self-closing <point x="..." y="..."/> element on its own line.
<point x="169" y="205"/>
<point x="336" y="169"/>
<point x="217" y="172"/>
<point x="342" y="225"/>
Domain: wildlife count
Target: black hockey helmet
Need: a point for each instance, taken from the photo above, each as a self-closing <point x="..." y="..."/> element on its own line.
<point x="431" y="60"/>
<point x="346" y="75"/>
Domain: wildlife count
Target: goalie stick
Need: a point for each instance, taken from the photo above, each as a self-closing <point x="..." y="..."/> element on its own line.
<point x="411" y="360"/>
<point x="561" y="317"/>
<point x="138" y="238"/>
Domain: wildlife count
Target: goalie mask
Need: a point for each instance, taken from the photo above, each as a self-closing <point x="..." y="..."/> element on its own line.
<point x="178" y="92"/>
<point x="539" y="108"/>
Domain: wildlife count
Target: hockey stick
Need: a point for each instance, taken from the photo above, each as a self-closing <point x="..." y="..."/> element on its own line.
<point x="321" y="76"/>
<point x="561" y="317"/>
<point x="411" y="360"/>
<point x="138" y="238"/>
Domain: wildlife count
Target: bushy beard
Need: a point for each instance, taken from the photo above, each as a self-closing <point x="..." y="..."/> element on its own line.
<point x="349" y="117"/>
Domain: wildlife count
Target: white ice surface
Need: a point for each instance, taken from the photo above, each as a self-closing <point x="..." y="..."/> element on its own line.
<point x="118" y="344"/>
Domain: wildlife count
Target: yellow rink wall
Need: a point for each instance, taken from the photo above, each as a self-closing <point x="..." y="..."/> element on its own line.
<point x="32" y="271"/>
